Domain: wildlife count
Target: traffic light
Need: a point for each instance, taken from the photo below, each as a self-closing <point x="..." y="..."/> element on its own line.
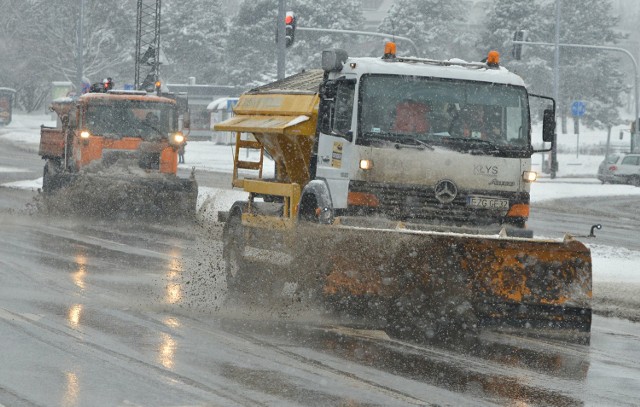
<point x="107" y="84"/>
<point x="520" y="35"/>
<point x="290" y="28"/>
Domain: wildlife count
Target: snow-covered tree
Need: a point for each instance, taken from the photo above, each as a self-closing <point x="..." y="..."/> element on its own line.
<point x="592" y="76"/>
<point x="504" y="17"/>
<point x="330" y="14"/>
<point x="42" y="37"/>
<point x="438" y="27"/>
<point x="193" y="39"/>
<point x="251" y="47"/>
<point x="108" y="34"/>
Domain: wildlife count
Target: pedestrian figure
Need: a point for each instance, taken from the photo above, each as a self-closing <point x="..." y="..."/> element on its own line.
<point x="181" y="153"/>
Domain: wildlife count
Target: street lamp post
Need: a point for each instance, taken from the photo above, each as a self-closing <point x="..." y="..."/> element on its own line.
<point x="80" y="50"/>
<point x="607" y="48"/>
<point x="556" y="92"/>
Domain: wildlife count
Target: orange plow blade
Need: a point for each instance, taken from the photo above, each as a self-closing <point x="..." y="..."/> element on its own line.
<point x="487" y="280"/>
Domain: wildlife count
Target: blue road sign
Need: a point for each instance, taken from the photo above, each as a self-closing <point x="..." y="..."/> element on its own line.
<point x="578" y="108"/>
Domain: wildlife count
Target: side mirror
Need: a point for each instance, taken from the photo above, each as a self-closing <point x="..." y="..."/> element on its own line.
<point x="548" y="125"/>
<point x="328" y="89"/>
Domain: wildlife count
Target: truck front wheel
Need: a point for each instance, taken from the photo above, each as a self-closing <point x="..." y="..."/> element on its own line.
<point x="233" y="253"/>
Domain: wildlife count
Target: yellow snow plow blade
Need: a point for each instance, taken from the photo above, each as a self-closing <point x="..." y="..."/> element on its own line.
<point x="510" y="281"/>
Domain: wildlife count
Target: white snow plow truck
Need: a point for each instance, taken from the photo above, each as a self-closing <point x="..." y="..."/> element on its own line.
<point x="402" y="186"/>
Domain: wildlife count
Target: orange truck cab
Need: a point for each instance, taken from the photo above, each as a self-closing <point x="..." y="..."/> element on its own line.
<point x="108" y="126"/>
<point x="117" y="137"/>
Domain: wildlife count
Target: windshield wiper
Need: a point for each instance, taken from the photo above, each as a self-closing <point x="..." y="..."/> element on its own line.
<point x="399" y="140"/>
<point x="488" y="146"/>
<point x="154" y="128"/>
<point x="419" y="144"/>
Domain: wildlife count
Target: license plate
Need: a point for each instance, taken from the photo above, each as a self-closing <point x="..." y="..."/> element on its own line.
<point x="488" y="203"/>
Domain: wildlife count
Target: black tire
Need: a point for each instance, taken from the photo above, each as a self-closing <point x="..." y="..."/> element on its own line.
<point x="308" y="207"/>
<point x="51" y="176"/>
<point x="233" y="253"/>
<point x="46" y="179"/>
<point x="635" y="180"/>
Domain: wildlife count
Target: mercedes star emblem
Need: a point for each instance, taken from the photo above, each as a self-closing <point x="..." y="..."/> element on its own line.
<point x="446" y="191"/>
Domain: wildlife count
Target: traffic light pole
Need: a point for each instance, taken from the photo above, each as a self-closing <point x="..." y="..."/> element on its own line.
<point x="281" y="43"/>
<point x="636" y="77"/>
<point x="556" y="93"/>
<point x="369" y="33"/>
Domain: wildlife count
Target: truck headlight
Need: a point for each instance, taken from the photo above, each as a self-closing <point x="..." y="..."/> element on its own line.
<point x="529" y="176"/>
<point x="178" y="138"/>
<point x="366" y="164"/>
<point x="84" y="134"/>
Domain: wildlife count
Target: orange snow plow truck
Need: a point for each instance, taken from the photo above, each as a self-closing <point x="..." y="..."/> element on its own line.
<point x="115" y="152"/>
<point x="386" y="201"/>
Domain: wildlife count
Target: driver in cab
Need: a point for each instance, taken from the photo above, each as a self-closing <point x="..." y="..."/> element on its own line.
<point x="151" y="125"/>
<point x="411" y="117"/>
<point x="471" y="122"/>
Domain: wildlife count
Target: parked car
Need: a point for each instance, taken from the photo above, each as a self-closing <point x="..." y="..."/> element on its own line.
<point x="629" y="169"/>
<point x="608" y="167"/>
<point x="620" y="168"/>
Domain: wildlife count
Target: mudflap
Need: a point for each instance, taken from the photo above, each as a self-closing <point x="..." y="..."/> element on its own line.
<point x="434" y="282"/>
<point x="157" y="196"/>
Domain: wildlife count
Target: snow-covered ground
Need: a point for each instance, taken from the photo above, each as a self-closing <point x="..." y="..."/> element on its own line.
<point x="576" y="178"/>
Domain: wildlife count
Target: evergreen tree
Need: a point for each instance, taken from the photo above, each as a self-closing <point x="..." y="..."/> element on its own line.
<point x="592" y="76"/>
<point x="193" y="39"/>
<point x="436" y="26"/>
<point x="504" y="17"/>
<point x="330" y="14"/>
<point x="252" y="37"/>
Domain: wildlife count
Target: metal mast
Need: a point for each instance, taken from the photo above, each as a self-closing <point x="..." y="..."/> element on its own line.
<point x="147" y="44"/>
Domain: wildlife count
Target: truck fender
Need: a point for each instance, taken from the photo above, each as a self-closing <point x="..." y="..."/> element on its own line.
<point x="315" y="203"/>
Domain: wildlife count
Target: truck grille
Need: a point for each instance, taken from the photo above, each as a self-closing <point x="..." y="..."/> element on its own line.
<point x="409" y="202"/>
<point x="149" y="161"/>
<point x="146" y="160"/>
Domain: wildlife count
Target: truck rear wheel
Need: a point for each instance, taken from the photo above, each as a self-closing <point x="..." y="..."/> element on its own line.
<point x="50" y="176"/>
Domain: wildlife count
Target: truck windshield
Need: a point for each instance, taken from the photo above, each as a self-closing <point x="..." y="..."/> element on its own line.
<point x="130" y="118"/>
<point x="409" y="108"/>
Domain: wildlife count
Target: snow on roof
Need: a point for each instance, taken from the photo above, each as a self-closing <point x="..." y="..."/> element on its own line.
<point x="220" y="104"/>
<point x="381" y="66"/>
<point x="149" y="97"/>
<point x="7" y="90"/>
<point x="64" y="99"/>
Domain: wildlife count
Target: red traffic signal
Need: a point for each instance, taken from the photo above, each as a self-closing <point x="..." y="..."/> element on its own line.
<point x="289" y="19"/>
<point x="107" y="84"/>
<point x="290" y="28"/>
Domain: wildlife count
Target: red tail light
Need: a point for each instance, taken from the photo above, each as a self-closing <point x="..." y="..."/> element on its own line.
<point x="613" y="168"/>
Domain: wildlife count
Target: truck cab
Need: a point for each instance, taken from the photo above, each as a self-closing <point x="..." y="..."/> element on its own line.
<point x="440" y="142"/>
<point x="113" y="125"/>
